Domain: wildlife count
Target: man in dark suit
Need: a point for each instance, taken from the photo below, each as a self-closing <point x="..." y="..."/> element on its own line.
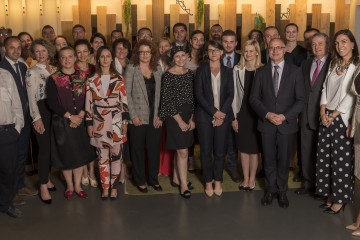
<point x="230" y="59"/>
<point x="18" y="70"/>
<point x="277" y="97"/>
<point x="314" y="71"/>
<point x="180" y="35"/>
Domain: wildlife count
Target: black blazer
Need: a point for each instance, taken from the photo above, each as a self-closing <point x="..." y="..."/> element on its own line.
<point x="21" y="88"/>
<point x="311" y="112"/>
<point x="289" y="101"/>
<point x="205" y="108"/>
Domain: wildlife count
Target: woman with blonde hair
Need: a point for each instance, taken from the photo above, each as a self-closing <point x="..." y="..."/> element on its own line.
<point x="248" y="139"/>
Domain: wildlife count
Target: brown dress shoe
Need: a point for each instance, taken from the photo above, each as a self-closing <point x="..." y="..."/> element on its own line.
<point x="26" y="191"/>
<point x="18" y="201"/>
<point x="235" y="176"/>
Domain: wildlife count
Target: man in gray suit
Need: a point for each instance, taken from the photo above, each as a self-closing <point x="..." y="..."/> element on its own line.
<point x="277" y="97"/>
<point x="314" y="70"/>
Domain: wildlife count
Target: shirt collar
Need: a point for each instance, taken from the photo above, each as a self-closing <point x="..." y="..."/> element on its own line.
<point x="323" y="59"/>
<point x="280" y="64"/>
<point x="11" y="61"/>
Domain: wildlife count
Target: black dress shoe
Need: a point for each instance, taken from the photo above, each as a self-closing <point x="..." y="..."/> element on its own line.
<point x="234" y="176"/>
<point x="283" y="200"/>
<point x="330" y="211"/>
<point x="190" y="186"/>
<point x="52" y="189"/>
<point x="301" y="191"/>
<point x="13" y="212"/>
<point x="267" y="199"/>
<point x="143" y="190"/>
<point x="157" y="188"/>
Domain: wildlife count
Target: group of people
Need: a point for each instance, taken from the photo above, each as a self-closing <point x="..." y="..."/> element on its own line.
<point x="111" y="104"/>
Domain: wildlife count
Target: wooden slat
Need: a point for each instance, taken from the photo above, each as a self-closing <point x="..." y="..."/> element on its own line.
<point x="325" y="23"/>
<point x="292" y="8"/>
<point x="222" y="15"/>
<point x="308" y="20"/>
<point x="301" y="10"/>
<point x="66" y="28"/>
<point x="158" y="20"/>
<point x="340" y="15"/>
<point x="101" y="20"/>
<point x="347" y="13"/>
<point x="134" y="27"/>
<point x="75" y="12"/>
<point x="230" y="14"/>
<point x="110" y="25"/>
<point x="85" y="15"/>
<point x="206" y="20"/>
<point x="283" y="24"/>
<point x="184" y="18"/>
<point x="247" y="22"/>
<point x="141" y="24"/>
<point x="149" y="18"/>
<point x="277" y="15"/>
<point x="270" y="12"/>
<point x="212" y="22"/>
<point x="200" y="26"/>
<point x="316" y="16"/>
<point x="174" y="17"/>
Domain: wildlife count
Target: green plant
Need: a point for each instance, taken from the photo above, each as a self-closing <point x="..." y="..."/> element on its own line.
<point x="199" y="12"/>
<point x="127" y="15"/>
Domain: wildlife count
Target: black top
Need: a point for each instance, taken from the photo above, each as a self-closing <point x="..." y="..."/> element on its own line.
<point x="299" y="54"/>
<point x="150" y="89"/>
<point x="357" y="84"/>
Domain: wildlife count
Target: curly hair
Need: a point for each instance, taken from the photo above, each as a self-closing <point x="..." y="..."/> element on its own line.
<point x="50" y="48"/>
<point x="154" y="61"/>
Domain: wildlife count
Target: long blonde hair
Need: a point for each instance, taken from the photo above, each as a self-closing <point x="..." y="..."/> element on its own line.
<point x="242" y="61"/>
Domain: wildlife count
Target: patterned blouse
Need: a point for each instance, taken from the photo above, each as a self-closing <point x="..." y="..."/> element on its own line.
<point x="89" y="72"/>
<point x="176" y="90"/>
<point x="36" y="79"/>
<point x="66" y="92"/>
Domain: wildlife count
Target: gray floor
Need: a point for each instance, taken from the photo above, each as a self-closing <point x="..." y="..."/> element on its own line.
<point x="235" y="215"/>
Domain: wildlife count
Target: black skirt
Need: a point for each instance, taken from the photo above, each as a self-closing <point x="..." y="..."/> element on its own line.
<point x="175" y="137"/>
<point x="70" y="147"/>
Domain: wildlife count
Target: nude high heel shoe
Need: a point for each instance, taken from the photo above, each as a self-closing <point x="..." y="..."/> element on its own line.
<point x="352" y="227"/>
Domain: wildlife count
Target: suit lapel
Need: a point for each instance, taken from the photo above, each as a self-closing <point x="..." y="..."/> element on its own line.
<point x="140" y="78"/>
<point x="284" y="76"/>
<point x="208" y="83"/>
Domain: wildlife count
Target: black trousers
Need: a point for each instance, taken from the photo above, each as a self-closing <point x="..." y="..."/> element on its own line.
<point x="212" y="142"/>
<point x="309" y="139"/>
<point x="23" y="154"/>
<point x="335" y="163"/>
<point x="276" y="153"/>
<point x="145" y="138"/>
<point x="43" y="141"/>
<point x="9" y="143"/>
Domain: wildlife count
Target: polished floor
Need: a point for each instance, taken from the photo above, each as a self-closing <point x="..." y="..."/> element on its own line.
<point x="235" y="215"/>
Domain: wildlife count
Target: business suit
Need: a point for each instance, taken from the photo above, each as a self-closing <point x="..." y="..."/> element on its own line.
<point x="231" y="144"/>
<point x="277" y="140"/>
<point x="213" y="139"/>
<point x="309" y="121"/>
<point x="145" y="135"/>
<point x="25" y="132"/>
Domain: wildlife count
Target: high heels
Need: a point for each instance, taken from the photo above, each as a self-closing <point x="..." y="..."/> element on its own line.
<point x="84" y="181"/>
<point x="189" y="185"/>
<point x="113" y="195"/>
<point x="218" y="192"/>
<point x="251" y="188"/>
<point x="93" y="182"/>
<point x="325" y="205"/>
<point x="186" y="194"/>
<point x="356" y="232"/>
<point x="209" y="192"/>
<point x="52" y="189"/>
<point x="46" y="201"/>
<point x="157" y="188"/>
<point x="330" y="211"/>
<point x="68" y="194"/>
<point x="82" y="194"/>
<point x="104" y="195"/>
<point x="242" y="188"/>
<point x="352" y="227"/>
<point x="143" y="190"/>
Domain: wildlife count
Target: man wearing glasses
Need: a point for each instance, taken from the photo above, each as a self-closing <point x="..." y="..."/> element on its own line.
<point x="277" y="97"/>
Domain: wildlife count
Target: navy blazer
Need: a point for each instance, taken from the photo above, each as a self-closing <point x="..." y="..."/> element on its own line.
<point x="289" y="100"/>
<point x="236" y="59"/>
<point x="21" y="87"/>
<point x="205" y="108"/>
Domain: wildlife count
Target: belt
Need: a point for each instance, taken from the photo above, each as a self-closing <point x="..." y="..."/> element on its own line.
<point x="5" y="127"/>
<point x="112" y="106"/>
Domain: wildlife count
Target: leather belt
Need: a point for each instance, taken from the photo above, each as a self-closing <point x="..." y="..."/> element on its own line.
<point x="5" y="127"/>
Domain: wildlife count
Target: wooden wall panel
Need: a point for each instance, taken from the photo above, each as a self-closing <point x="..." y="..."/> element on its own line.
<point x="134" y="18"/>
<point x="230" y="14"/>
<point x="316" y="16"/>
<point x="174" y="17"/>
<point x="158" y="20"/>
<point x="110" y="24"/>
<point x="75" y="12"/>
<point x="292" y="8"/>
<point x="270" y="13"/>
<point x="101" y="20"/>
<point x="340" y="16"/>
<point x="149" y="18"/>
<point x="325" y="23"/>
<point x="207" y="24"/>
<point x="301" y="10"/>
<point x="141" y="24"/>
<point x="66" y="28"/>
<point x="277" y="16"/>
<point x="347" y="14"/>
<point x="247" y="22"/>
<point x="222" y="15"/>
<point x="184" y="18"/>
<point x="85" y="15"/>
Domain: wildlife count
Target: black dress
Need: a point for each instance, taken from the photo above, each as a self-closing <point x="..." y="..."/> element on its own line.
<point x="248" y="138"/>
<point x="177" y="97"/>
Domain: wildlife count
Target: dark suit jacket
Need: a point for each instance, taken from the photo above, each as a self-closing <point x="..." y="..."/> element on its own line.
<point x="21" y="88"/>
<point x="186" y="46"/>
<point x="205" y="108"/>
<point x="289" y="101"/>
<point x="311" y="112"/>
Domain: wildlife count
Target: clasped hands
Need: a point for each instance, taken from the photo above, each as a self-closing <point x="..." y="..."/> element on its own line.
<point x="76" y="120"/>
<point x="276" y="119"/>
<point x="219" y="118"/>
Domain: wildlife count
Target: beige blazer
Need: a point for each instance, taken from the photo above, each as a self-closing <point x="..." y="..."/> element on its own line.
<point x="138" y="102"/>
<point x="239" y="81"/>
<point x="355" y="124"/>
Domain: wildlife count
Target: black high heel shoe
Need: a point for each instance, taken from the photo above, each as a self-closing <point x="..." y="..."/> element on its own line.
<point x="190" y="186"/>
<point x="330" y="211"/>
<point x="186" y="194"/>
<point x="52" y="189"/>
<point x="324" y="206"/>
<point x="48" y="201"/>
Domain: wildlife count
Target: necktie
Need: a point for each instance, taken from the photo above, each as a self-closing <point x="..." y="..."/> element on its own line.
<point x="276" y="79"/>
<point x="316" y="73"/>
<point x="17" y="70"/>
<point x="228" y="62"/>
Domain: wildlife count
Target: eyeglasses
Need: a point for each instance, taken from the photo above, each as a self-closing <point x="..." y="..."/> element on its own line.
<point x="145" y="53"/>
<point x="215" y="50"/>
<point x="276" y="49"/>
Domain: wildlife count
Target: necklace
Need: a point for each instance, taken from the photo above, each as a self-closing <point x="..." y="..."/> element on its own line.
<point x="341" y="69"/>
